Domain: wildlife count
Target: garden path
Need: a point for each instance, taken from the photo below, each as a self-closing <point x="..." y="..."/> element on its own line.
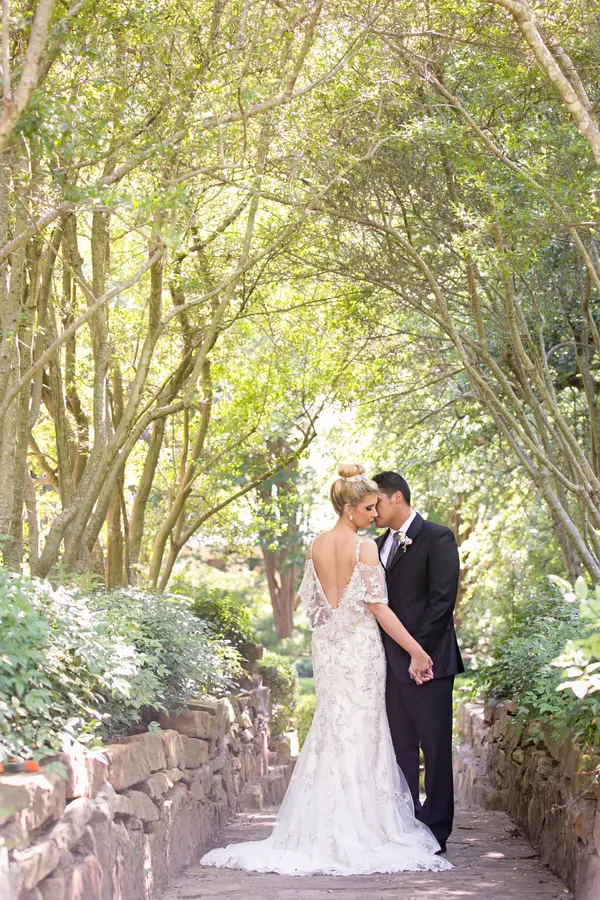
<point x="491" y="863"/>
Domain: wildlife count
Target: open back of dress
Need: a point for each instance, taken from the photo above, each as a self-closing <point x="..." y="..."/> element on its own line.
<point x="333" y="569"/>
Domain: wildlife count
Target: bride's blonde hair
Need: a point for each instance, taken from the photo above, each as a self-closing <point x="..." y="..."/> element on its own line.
<point x="351" y="486"/>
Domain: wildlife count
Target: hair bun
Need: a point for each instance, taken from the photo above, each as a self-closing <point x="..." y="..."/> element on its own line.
<point x="351" y="486"/>
<point x="348" y="470"/>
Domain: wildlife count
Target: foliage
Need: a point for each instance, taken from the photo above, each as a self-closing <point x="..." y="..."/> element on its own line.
<point x="280" y="676"/>
<point x="304" y="667"/>
<point x="463" y="475"/>
<point x="59" y="668"/>
<point x="225" y="611"/>
<point x="278" y="519"/>
<point x="296" y="209"/>
<point x="461" y="227"/>
<point x="581" y="657"/>
<point x="204" y="371"/>
<point x="525" y="648"/>
<point x="466" y="689"/>
<point x="79" y="668"/>
<point x="181" y="656"/>
<point x="298" y="644"/>
<point x="522" y="664"/>
<point x="307" y="686"/>
<point x="304" y="716"/>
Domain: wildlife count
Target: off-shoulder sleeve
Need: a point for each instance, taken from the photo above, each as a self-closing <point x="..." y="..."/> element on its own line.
<point x="307" y="586"/>
<point x="373" y="578"/>
<point x="316" y="608"/>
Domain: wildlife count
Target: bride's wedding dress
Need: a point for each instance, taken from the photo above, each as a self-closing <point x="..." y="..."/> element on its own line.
<point x="348" y="809"/>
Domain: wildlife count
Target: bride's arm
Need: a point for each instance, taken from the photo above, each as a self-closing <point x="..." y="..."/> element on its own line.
<point x="420" y="662"/>
<point x="420" y="668"/>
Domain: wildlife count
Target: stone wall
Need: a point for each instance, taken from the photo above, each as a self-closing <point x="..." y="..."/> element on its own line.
<point x="535" y="777"/>
<point x="118" y="829"/>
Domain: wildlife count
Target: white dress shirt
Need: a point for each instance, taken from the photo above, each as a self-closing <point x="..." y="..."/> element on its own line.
<point x="388" y="543"/>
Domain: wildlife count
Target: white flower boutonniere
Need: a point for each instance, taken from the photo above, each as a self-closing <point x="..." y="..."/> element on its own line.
<point x="403" y="540"/>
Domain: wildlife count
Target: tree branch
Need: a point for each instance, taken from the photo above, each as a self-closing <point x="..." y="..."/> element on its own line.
<point x="582" y="116"/>
<point x="73" y="327"/>
<point x="13" y="109"/>
<point x="6" y="89"/>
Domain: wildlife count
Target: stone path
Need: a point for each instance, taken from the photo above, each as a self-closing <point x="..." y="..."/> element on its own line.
<point x="491" y="863"/>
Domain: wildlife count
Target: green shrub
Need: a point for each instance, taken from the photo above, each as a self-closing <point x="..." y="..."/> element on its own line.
<point x="304" y="667"/>
<point x="59" y="666"/>
<point x="280" y="676"/>
<point x="78" y="668"/>
<point x="299" y="644"/>
<point x="523" y="652"/>
<point x="224" y="611"/>
<point x="307" y="686"/>
<point x="179" y="654"/>
<point x="581" y="658"/>
<point x="304" y="716"/>
<point x="522" y="665"/>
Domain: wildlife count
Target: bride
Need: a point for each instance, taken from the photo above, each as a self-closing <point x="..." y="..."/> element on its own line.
<point x="348" y="809"/>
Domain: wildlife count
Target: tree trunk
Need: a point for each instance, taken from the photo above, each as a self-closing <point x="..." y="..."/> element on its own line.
<point x="19" y="315"/>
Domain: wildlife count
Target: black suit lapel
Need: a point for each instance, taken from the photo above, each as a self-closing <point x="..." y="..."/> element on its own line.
<point x="415" y="527"/>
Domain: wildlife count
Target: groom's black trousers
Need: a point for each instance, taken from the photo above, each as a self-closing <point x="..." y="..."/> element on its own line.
<point x="421" y="716"/>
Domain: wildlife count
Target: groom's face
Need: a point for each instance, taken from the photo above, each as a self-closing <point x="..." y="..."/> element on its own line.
<point x="385" y="510"/>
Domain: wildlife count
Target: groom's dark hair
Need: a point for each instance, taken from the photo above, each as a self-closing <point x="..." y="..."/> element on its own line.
<point x="390" y="482"/>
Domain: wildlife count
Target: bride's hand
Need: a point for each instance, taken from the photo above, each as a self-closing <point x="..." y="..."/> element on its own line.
<point x="421" y="667"/>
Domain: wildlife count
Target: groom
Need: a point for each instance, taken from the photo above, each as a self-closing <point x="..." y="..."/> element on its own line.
<point x="422" y="569"/>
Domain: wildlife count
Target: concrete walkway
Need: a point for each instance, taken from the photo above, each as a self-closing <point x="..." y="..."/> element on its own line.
<point x="491" y="863"/>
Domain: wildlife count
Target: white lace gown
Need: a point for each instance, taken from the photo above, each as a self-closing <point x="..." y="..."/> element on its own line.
<point x="348" y="809"/>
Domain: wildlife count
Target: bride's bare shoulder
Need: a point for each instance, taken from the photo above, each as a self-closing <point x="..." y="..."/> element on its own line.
<point x="317" y="541"/>
<point x="323" y="538"/>
<point x="369" y="552"/>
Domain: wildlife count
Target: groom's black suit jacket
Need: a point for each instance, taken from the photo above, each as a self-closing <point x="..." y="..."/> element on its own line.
<point x="422" y="585"/>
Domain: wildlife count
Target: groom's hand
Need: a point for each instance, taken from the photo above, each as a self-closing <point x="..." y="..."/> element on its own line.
<point x="421" y="668"/>
<point x="421" y="677"/>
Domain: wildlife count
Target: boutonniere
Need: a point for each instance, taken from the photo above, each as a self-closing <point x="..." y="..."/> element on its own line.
<point x="403" y="540"/>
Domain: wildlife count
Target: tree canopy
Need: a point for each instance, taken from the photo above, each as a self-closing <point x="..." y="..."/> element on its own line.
<point x="219" y="220"/>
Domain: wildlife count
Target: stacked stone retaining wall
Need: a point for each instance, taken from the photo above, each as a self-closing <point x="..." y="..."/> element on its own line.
<point x="118" y="828"/>
<point x="534" y="775"/>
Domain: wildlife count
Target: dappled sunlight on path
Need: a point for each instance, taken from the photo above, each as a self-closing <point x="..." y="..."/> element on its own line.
<point x="491" y="863"/>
